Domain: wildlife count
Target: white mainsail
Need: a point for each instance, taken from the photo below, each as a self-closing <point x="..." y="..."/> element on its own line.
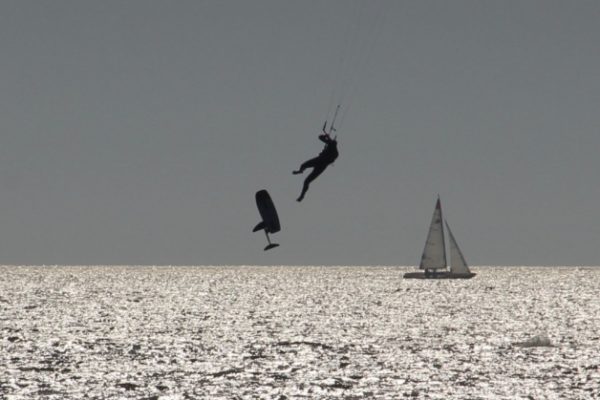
<point x="434" y="253"/>
<point x="458" y="265"/>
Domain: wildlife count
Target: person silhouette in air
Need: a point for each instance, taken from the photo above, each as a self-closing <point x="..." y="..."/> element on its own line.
<point x="327" y="156"/>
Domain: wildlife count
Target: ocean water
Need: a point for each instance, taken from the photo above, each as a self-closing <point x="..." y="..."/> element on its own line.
<point x="251" y="332"/>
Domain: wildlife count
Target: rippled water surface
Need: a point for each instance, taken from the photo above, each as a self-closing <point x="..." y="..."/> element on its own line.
<point x="298" y="332"/>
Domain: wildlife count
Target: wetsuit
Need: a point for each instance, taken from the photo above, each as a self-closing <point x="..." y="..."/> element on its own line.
<point x="327" y="156"/>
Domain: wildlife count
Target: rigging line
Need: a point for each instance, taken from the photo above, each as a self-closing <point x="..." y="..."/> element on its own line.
<point x="338" y="70"/>
<point x="332" y="127"/>
<point x="375" y="34"/>
<point x="366" y="49"/>
<point x="362" y="32"/>
<point x="353" y="51"/>
<point x="343" y="60"/>
<point x="365" y="35"/>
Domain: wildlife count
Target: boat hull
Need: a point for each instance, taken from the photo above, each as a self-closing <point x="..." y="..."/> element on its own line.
<point x="438" y="275"/>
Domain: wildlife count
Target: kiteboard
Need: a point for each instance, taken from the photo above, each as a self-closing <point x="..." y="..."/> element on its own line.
<point x="268" y="213"/>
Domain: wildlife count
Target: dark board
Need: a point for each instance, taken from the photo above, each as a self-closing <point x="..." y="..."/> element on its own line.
<point x="267" y="211"/>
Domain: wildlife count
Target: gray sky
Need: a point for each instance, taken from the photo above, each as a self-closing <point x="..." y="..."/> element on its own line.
<point x="137" y="132"/>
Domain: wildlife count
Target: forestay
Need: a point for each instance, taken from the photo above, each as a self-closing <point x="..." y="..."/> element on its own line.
<point x="458" y="264"/>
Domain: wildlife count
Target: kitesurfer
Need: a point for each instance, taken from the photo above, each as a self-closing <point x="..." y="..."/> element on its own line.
<point x="327" y="156"/>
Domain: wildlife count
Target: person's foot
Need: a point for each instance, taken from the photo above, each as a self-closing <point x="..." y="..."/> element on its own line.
<point x="299" y="198"/>
<point x="296" y="172"/>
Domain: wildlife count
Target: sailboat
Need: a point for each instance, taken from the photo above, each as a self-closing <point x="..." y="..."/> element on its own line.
<point x="433" y="260"/>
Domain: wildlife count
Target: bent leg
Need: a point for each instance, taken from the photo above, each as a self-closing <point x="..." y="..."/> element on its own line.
<point x="312" y="163"/>
<point x="317" y="170"/>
